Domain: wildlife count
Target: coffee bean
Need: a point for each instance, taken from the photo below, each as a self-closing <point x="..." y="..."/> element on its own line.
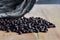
<point x="25" y="25"/>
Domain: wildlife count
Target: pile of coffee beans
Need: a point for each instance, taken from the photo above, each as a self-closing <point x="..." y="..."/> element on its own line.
<point x="25" y="25"/>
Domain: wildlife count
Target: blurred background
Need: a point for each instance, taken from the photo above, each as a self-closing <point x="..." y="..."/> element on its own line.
<point x="48" y="1"/>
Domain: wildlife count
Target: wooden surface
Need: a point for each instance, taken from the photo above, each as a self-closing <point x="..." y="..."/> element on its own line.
<point x="48" y="12"/>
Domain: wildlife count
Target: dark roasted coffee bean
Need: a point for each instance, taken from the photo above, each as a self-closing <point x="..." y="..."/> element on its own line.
<point x="51" y="25"/>
<point x="30" y="31"/>
<point x="25" y="25"/>
<point x="19" y="32"/>
<point x="1" y="27"/>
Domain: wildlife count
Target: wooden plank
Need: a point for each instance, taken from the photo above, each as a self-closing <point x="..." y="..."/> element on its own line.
<point x="52" y="14"/>
<point x="15" y="36"/>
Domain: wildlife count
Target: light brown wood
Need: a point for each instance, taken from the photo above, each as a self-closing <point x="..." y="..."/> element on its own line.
<point x="52" y="14"/>
<point x="48" y="12"/>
